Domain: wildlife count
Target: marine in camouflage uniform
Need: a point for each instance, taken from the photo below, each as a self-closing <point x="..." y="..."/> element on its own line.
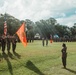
<point x="64" y="55"/>
<point x="14" y="41"/>
<point x="8" y="43"/>
<point x="3" y="43"/>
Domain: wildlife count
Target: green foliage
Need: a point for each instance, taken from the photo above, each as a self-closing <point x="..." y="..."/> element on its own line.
<point x="73" y="30"/>
<point x="12" y="24"/>
<point x="43" y="27"/>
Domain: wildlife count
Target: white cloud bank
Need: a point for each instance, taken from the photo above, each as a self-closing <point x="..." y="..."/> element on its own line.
<point x="40" y="9"/>
<point x="69" y="21"/>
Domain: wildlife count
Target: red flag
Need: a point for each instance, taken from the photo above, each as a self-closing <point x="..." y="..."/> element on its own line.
<point x="21" y="34"/>
<point x="5" y="28"/>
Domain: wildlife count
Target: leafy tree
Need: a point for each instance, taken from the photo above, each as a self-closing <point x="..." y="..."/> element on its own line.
<point x="73" y="30"/>
<point x="12" y="24"/>
<point x="30" y="29"/>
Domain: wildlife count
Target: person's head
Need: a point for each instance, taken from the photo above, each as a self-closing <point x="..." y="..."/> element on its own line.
<point x="64" y="45"/>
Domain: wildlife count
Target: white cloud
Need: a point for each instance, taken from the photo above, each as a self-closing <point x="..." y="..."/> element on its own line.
<point x="69" y="21"/>
<point x="37" y="9"/>
<point x="1" y="3"/>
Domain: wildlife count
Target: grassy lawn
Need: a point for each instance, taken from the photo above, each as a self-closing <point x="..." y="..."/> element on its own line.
<point x="34" y="59"/>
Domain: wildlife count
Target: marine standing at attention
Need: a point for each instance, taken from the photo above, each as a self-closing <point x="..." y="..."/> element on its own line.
<point x="64" y="54"/>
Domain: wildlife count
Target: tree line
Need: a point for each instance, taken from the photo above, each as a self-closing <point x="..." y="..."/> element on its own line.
<point x="45" y="28"/>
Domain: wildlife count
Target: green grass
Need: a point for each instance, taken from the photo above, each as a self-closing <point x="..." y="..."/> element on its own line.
<point x="34" y="59"/>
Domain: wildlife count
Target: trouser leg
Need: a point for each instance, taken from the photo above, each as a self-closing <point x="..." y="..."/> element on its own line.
<point x="64" y="62"/>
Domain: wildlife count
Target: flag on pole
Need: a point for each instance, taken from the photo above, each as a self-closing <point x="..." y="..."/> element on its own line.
<point x="5" y="26"/>
<point x="21" y="34"/>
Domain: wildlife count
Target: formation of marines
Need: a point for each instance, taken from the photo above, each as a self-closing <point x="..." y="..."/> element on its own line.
<point x="7" y="41"/>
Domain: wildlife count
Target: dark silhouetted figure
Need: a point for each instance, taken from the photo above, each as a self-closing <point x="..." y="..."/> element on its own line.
<point x="3" y="43"/>
<point x="64" y="54"/>
<point x="8" y="43"/>
<point x="14" y="41"/>
<point x="46" y="41"/>
<point x="43" y="41"/>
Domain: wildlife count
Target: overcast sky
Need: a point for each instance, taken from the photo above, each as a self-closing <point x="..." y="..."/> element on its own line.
<point x="64" y="11"/>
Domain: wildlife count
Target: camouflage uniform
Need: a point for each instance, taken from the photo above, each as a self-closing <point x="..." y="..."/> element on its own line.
<point x="3" y="43"/>
<point x="64" y="55"/>
<point x="43" y="41"/>
<point x="8" y="43"/>
<point x="14" y="41"/>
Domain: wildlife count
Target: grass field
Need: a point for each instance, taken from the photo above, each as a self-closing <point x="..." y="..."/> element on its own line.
<point x="34" y="59"/>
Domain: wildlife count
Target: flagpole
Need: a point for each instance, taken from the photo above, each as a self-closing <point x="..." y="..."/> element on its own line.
<point x="25" y="28"/>
<point x="5" y="25"/>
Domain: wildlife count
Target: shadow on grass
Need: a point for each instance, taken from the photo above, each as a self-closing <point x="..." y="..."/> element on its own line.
<point x="71" y="70"/>
<point x="17" y="55"/>
<point x="5" y="56"/>
<point x="10" y="55"/>
<point x="32" y="67"/>
<point x="0" y="57"/>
